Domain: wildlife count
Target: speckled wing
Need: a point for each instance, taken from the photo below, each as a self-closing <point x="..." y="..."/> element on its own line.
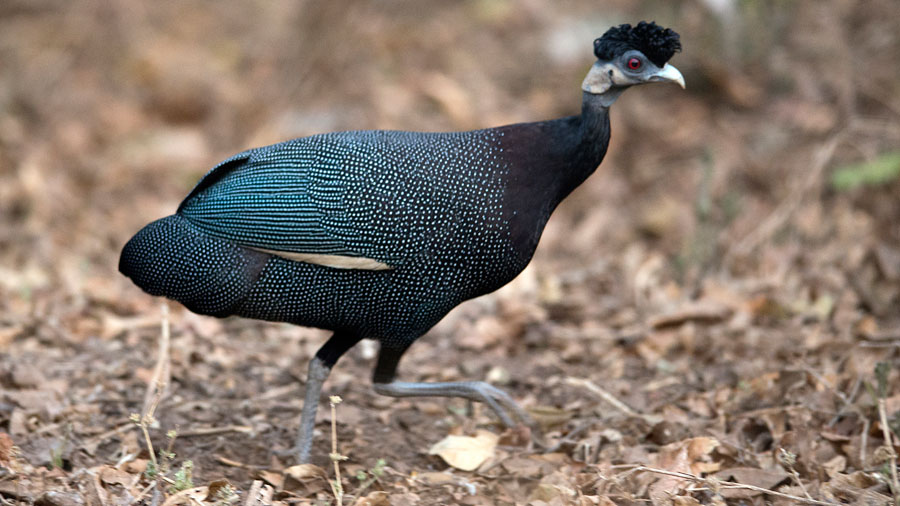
<point x="379" y="195"/>
<point x="278" y="199"/>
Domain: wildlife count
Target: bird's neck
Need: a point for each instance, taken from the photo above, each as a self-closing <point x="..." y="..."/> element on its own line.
<point x="594" y="119"/>
<point x="586" y="138"/>
<point x="548" y="160"/>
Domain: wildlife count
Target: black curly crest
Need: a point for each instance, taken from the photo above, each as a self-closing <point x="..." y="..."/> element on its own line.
<point x="657" y="43"/>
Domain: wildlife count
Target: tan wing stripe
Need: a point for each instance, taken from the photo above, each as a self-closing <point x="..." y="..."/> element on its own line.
<point x="336" y="261"/>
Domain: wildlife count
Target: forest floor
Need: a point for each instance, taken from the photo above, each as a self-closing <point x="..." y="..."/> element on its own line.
<point x="712" y="318"/>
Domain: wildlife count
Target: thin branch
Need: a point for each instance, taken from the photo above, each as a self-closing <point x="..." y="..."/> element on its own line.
<point x="260" y="493"/>
<point x="770" y="225"/>
<point x="208" y="431"/>
<point x="159" y="383"/>
<point x="889" y="442"/>
<point x="789" y="459"/>
<point x="728" y="485"/>
<point x="156" y="386"/>
<point x="570" y="437"/>
<point x="864" y="440"/>
<point x="336" y="487"/>
<point x="144" y="492"/>
<point x="603" y="394"/>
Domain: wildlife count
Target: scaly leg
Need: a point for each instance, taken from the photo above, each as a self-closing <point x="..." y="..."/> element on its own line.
<point x="319" y="368"/>
<point x="499" y="401"/>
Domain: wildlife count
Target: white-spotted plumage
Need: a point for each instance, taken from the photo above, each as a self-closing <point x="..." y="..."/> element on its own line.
<point x="381" y="232"/>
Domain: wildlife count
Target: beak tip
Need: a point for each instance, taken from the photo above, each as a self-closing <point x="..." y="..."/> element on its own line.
<point x="671" y="74"/>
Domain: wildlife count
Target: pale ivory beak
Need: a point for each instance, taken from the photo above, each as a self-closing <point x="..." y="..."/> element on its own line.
<point x="668" y="74"/>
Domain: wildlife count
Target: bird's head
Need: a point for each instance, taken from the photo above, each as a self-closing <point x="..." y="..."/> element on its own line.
<point x="629" y="55"/>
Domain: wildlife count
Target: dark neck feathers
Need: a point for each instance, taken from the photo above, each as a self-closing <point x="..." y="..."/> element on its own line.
<point x="558" y="155"/>
<point x="548" y="160"/>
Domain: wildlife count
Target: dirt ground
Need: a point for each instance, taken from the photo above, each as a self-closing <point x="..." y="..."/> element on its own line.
<point x="712" y="318"/>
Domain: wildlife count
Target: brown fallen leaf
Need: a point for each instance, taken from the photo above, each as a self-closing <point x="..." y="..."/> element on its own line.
<point x="548" y="417"/>
<point x="26" y="376"/>
<point x="377" y="498"/>
<point x="835" y="465"/>
<point x="272" y="478"/>
<point x="259" y="494"/>
<point x="190" y="496"/>
<point x="136" y="466"/>
<point x="303" y="478"/>
<point x="685" y="500"/>
<point x="435" y="478"/>
<point x="856" y="487"/>
<point x="763" y="478"/>
<point x="525" y="467"/>
<point x="229" y="462"/>
<point x="7" y="449"/>
<point x="59" y="498"/>
<point x="552" y="494"/>
<point x="688" y="456"/>
<point x="303" y="472"/>
<point x="888" y="261"/>
<point x="516" y="436"/>
<point x="217" y="490"/>
<point x="466" y="452"/>
<point x="111" y="476"/>
<point x="700" y="311"/>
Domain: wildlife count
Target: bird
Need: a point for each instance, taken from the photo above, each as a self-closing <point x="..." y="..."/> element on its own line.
<point x="378" y="234"/>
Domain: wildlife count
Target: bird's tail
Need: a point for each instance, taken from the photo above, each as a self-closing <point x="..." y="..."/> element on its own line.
<point x="171" y="257"/>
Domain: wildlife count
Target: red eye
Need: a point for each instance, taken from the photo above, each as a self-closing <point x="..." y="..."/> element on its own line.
<point x="634" y="63"/>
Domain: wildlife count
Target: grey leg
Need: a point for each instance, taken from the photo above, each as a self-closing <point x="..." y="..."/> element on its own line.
<point x="318" y="373"/>
<point x="499" y="401"/>
<point x="319" y="368"/>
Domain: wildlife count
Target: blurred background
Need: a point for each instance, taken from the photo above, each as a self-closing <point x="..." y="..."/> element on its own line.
<point x="759" y="208"/>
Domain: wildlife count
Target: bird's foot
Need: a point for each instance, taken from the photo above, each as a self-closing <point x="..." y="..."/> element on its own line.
<point x="294" y="453"/>
<point x="499" y="401"/>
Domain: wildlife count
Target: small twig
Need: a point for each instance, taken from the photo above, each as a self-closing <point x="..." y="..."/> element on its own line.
<point x="336" y="487"/>
<point x="864" y="440"/>
<point x="99" y="489"/>
<point x="773" y="409"/>
<point x="253" y="496"/>
<point x="886" y="344"/>
<point x="253" y="492"/>
<point x="802" y="189"/>
<point x="603" y="394"/>
<point x="115" y="431"/>
<point x="886" y="451"/>
<point x="190" y="494"/>
<point x="273" y="393"/>
<point x="889" y="443"/>
<point x="824" y="382"/>
<point x="789" y="459"/>
<point x="209" y="431"/>
<point x="157" y="385"/>
<point x="729" y="485"/>
<point x="149" y="444"/>
<point x="849" y="398"/>
<point x="570" y="437"/>
<point x="144" y="492"/>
